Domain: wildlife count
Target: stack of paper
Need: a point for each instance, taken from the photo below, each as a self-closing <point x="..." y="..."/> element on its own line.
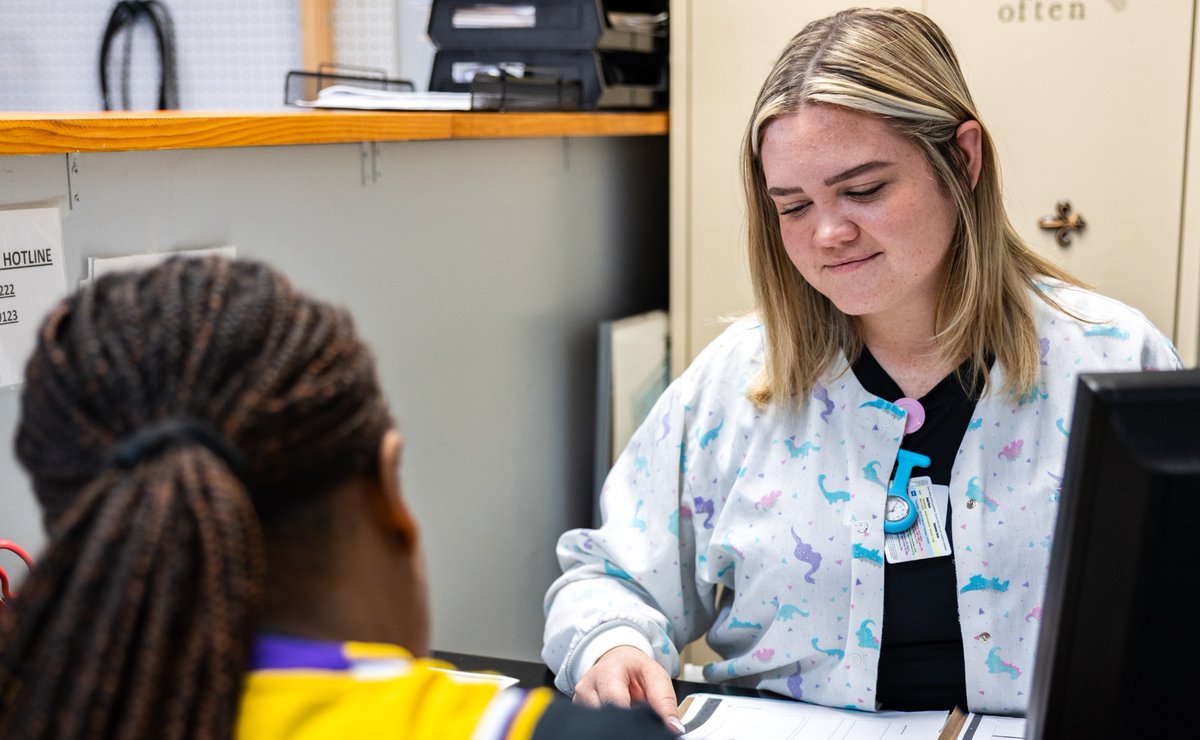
<point x="719" y="717"/>
<point x="365" y="98"/>
<point x="495" y="16"/>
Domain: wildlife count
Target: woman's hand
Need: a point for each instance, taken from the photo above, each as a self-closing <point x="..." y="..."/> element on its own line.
<point x="624" y="676"/>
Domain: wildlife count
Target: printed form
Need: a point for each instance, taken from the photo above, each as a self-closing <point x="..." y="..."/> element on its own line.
<point x="719" y="717"/>
<point x="989" y="727"/>
<point x="716" y="717"/>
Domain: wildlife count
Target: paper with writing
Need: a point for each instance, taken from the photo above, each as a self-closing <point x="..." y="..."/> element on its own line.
<point x="32" y="280"/>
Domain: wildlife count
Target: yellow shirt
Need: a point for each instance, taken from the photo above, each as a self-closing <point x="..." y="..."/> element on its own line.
<point x="309" y="690"/>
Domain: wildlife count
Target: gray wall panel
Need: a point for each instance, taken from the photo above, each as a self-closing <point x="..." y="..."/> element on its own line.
<point x="476" y="269"/>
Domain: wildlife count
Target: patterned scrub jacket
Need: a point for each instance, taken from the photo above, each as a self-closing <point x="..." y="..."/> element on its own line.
<point x="784" y="506"/>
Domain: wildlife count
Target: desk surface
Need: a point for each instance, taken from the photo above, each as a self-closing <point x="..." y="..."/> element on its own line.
<point x="57" y="133"/>
<point x="531" y="674"/>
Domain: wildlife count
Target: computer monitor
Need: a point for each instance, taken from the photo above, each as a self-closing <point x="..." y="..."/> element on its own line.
<point x="1117" y="651"/>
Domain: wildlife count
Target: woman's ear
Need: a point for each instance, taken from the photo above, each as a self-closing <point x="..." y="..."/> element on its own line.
<point x="399" y="515"/>
<point x="969" y="138"/>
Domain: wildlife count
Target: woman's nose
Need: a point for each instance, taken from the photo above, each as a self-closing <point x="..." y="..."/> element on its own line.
<point x="834" y="229"/>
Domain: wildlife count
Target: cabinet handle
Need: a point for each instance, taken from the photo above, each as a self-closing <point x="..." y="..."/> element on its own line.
<point x="1063" y="223"/>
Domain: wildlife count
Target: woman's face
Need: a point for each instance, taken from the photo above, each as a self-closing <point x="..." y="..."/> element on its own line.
<point x="862" y="215"/>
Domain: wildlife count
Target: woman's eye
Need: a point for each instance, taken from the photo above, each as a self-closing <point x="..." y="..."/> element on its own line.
<point x="867" y="193"/>
<point x="794" y="210"/>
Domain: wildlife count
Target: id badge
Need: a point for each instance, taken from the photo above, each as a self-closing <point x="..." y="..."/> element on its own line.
<point x="927" y="537"/>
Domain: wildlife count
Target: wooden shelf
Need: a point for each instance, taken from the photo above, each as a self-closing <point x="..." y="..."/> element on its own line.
<point x="56" y="133"/>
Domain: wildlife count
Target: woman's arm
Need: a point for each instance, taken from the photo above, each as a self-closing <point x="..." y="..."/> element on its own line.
<point x="633" y="581"/>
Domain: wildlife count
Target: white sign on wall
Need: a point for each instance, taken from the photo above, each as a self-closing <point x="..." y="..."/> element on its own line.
<point x="100" y="266"/>
<point x="32" y="280"/>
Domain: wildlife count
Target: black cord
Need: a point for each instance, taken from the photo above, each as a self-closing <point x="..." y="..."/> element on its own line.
<point x="127" y="69"/>
<point x="121" y="15"/>
<point x="125" y="16"/>
<point x="164" y="27"/>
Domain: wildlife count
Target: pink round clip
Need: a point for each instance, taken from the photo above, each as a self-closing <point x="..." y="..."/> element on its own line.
<point x="914" y="414"/>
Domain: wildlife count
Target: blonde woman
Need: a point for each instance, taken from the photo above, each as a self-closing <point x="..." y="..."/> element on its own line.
<point x="870" y="466"/>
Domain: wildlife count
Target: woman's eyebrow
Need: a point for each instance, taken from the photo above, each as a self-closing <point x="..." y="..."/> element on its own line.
<point x="856" y="171"/>
<point x="840" y="177"/>
<point x="783" y="192"/>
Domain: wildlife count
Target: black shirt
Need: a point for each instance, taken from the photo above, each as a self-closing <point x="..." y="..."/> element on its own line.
<point x="921" y="650"/>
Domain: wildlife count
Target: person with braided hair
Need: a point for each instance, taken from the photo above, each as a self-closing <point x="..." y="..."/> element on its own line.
<point x="230" y="553"/>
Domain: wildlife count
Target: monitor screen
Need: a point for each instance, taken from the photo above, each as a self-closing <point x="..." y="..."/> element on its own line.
<point x="1117" y="651"/>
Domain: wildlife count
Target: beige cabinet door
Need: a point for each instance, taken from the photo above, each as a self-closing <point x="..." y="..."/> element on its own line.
<point x="1088" y="102"/>
<point x="722" y="51"/>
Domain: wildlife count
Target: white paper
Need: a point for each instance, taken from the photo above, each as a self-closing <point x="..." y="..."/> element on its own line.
<point x="494" y="16"/>
<point x="498" y="679"/>
<point x="637" y="21"/>
<point x="639" y="373"/>
<point x="748" y="718"/>
<point x="99" y="266"/>
<point x="988" y="727"/>
<point x="33" y="279"/>
<point x="464" y="73"/>
<point x="363" y="98"/>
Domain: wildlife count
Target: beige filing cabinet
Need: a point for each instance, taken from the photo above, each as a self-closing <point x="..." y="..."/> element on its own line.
<point x="1088" y="102"/>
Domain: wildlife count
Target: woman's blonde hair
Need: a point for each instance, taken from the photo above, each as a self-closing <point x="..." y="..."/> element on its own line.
<point x="898" y="65"/>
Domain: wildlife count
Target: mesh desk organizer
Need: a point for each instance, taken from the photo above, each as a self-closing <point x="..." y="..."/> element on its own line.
<point x="533" y="88"/>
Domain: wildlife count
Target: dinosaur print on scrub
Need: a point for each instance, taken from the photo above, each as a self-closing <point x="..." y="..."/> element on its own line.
<point x="638" y="524"/>
<point x="832" y="652"/>
<point x="831" y="496"/>
<point x="711" y="435"/>
<point x="802" y="450"/>
<point x="1113" y="332"/>
<point x="1012" y="450"/>
<point x="806" y="554"/>
<point x="786" y="612"/>
<point x="822" y="395"/>
<point x="865" y="638"/>
<point x="766" y="502"/>
<point x="979" y="583"/>
<point x="870" y="555"/>
<point x="996" y="665"/>
<point x="795" y="684"/>
<point x="975" y="493"/>
<point x="871" y="473"/>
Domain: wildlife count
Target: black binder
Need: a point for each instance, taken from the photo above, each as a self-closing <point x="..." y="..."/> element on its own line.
<point x="615" y="49"/>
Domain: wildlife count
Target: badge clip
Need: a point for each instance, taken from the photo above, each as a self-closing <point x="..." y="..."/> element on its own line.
<point x="901" y="509"/>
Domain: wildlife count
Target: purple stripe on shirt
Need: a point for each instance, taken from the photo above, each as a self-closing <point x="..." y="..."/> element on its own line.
<point x="512" y="717"/>
<point x="280" y="652"/>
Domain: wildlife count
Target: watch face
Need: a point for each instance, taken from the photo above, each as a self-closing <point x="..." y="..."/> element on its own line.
<point x="897" y="508"/>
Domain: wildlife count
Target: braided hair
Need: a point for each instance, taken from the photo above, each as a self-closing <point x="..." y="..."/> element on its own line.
<point x="165" y="414"/>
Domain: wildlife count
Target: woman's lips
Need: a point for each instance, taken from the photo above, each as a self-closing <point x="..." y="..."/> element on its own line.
<point x="852" y="264"/>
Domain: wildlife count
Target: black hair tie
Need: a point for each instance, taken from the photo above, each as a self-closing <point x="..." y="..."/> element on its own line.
<point x="156" y="438"/>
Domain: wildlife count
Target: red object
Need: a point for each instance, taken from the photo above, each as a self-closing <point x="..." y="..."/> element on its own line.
<point x="20" y="551"/>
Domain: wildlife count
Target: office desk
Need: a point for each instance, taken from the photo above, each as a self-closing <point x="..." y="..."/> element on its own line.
<point x="531" y="674"/>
